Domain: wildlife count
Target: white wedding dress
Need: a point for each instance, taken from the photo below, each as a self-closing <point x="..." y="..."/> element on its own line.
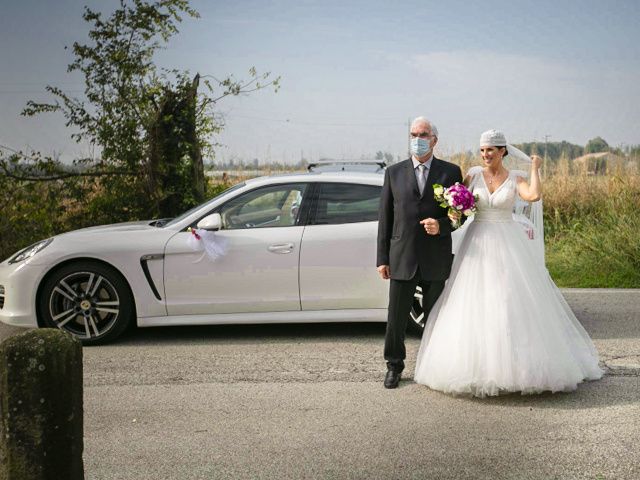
<point x="501" y="324"/>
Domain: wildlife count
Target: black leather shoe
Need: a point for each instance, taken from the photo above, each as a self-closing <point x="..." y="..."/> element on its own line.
<point x="392" y="379"/>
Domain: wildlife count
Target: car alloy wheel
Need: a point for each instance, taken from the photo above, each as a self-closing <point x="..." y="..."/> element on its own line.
<point x="89" y="300"/>
<point x="417" y="319"/>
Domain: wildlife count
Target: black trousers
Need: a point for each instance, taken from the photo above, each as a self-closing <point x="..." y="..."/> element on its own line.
<point x="401" y="293"/>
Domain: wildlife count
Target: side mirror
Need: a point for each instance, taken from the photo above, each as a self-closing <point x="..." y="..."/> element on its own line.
<point x="211" y="222"/>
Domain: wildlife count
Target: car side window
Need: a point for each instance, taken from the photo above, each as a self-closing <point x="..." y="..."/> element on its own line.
<point x="275" y="206"/>
<point x="347" y="203"/>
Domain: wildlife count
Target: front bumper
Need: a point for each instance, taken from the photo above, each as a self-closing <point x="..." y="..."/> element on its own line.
<point x="20" y="282"/>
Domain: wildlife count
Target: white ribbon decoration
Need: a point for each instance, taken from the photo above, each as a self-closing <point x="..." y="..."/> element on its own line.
<point x="212" y="245"/>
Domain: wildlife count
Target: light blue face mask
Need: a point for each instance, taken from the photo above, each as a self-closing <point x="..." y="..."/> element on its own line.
<point x="420" y="147"/>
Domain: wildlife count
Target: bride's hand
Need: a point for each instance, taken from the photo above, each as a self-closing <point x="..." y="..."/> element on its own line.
<point x="454" y="216"/>
<point x="536" y="161"/>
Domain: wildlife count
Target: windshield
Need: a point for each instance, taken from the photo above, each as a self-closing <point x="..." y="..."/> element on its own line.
<point x="197" y="207"/>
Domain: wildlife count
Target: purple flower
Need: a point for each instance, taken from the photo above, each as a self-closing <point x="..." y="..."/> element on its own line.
<point x="459" y="197"/>
<point x="456" y="198"/>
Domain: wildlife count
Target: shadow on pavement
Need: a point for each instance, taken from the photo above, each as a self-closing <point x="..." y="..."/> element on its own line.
<point x="250" y="333"/>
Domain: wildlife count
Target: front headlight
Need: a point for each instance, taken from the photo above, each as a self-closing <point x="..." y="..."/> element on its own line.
<point x="30" y="251"/>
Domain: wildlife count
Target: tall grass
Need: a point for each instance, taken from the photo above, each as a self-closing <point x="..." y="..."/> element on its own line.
<point x="592" y="230"/>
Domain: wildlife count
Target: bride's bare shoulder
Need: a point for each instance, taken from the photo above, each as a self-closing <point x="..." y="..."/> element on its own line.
<point x="471" y="173"/>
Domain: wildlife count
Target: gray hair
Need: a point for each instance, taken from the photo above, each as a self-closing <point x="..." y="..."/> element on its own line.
<point x="434" y="129"/>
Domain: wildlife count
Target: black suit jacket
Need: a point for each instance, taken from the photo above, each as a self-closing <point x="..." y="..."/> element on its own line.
<point x="403" y="243"/>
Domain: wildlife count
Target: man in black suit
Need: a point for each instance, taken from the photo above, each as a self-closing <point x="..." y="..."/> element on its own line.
<point x="414" y="238"/>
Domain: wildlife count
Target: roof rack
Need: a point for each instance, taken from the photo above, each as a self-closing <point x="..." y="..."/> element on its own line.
<point x="343" y="165"/>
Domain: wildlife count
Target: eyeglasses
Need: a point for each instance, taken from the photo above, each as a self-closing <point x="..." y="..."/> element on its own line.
<point x="421" y="135"/>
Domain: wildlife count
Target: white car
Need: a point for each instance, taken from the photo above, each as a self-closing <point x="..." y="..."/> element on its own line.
<point x="289" y="248"/>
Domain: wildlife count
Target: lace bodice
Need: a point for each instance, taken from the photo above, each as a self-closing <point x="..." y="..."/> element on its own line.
<point x="504" y="205"/>
<point x="496" y="206"/>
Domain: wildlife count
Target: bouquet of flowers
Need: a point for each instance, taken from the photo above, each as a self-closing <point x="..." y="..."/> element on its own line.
<point x="456" y="198"/>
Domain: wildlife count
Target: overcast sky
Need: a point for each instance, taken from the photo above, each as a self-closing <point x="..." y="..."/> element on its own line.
<point x="354" y="72"/>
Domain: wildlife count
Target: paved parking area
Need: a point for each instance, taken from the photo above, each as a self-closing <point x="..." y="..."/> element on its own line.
<point x="306" y="401"/>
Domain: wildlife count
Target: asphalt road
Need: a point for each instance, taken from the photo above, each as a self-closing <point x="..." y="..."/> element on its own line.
<point x="307" y="401"/>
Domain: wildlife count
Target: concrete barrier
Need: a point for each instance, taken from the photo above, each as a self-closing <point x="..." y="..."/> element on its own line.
<point x="41" y="406"/>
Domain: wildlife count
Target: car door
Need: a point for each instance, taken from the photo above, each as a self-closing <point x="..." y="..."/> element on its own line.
<point x="338" y="254"/>
<point x="258" y="272"/>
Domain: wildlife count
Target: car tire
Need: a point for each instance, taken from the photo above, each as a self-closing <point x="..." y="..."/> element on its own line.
<point x="417" y="319"/>
<point x="90" y="300"/>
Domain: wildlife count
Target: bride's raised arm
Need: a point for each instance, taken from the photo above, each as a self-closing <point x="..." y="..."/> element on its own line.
<point x="531" y="192"/>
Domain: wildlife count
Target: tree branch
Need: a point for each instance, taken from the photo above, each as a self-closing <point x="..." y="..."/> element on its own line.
<point x="60" y="176"/>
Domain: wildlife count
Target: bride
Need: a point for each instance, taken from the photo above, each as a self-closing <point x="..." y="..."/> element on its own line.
<point x="501" y="324"/>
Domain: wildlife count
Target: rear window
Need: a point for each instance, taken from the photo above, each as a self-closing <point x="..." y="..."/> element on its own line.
<point x="347" y="203"/>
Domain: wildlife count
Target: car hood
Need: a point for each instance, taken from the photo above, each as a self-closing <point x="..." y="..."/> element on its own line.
<point x="115" y="227"/>
<point x="111" y="243"/>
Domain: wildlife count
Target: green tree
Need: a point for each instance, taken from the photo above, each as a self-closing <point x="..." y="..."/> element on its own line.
<point x="555" y="150"/>
<point x="150" y="126"/>
<point x="596" y="145"/>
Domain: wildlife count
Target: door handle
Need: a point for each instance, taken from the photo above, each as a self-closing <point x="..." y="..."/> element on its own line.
<point x="281" y="248"/>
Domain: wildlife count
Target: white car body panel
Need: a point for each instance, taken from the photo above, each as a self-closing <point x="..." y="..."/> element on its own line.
<point x="20" y="283"/>
<point x="337" y="267"/>
<point x="120" y="246"/>
<point x="249" y="277"/>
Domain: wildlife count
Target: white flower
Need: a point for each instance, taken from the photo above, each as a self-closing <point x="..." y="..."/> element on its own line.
<point x="438" y="191"/>
<point x="467" y="212"/>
